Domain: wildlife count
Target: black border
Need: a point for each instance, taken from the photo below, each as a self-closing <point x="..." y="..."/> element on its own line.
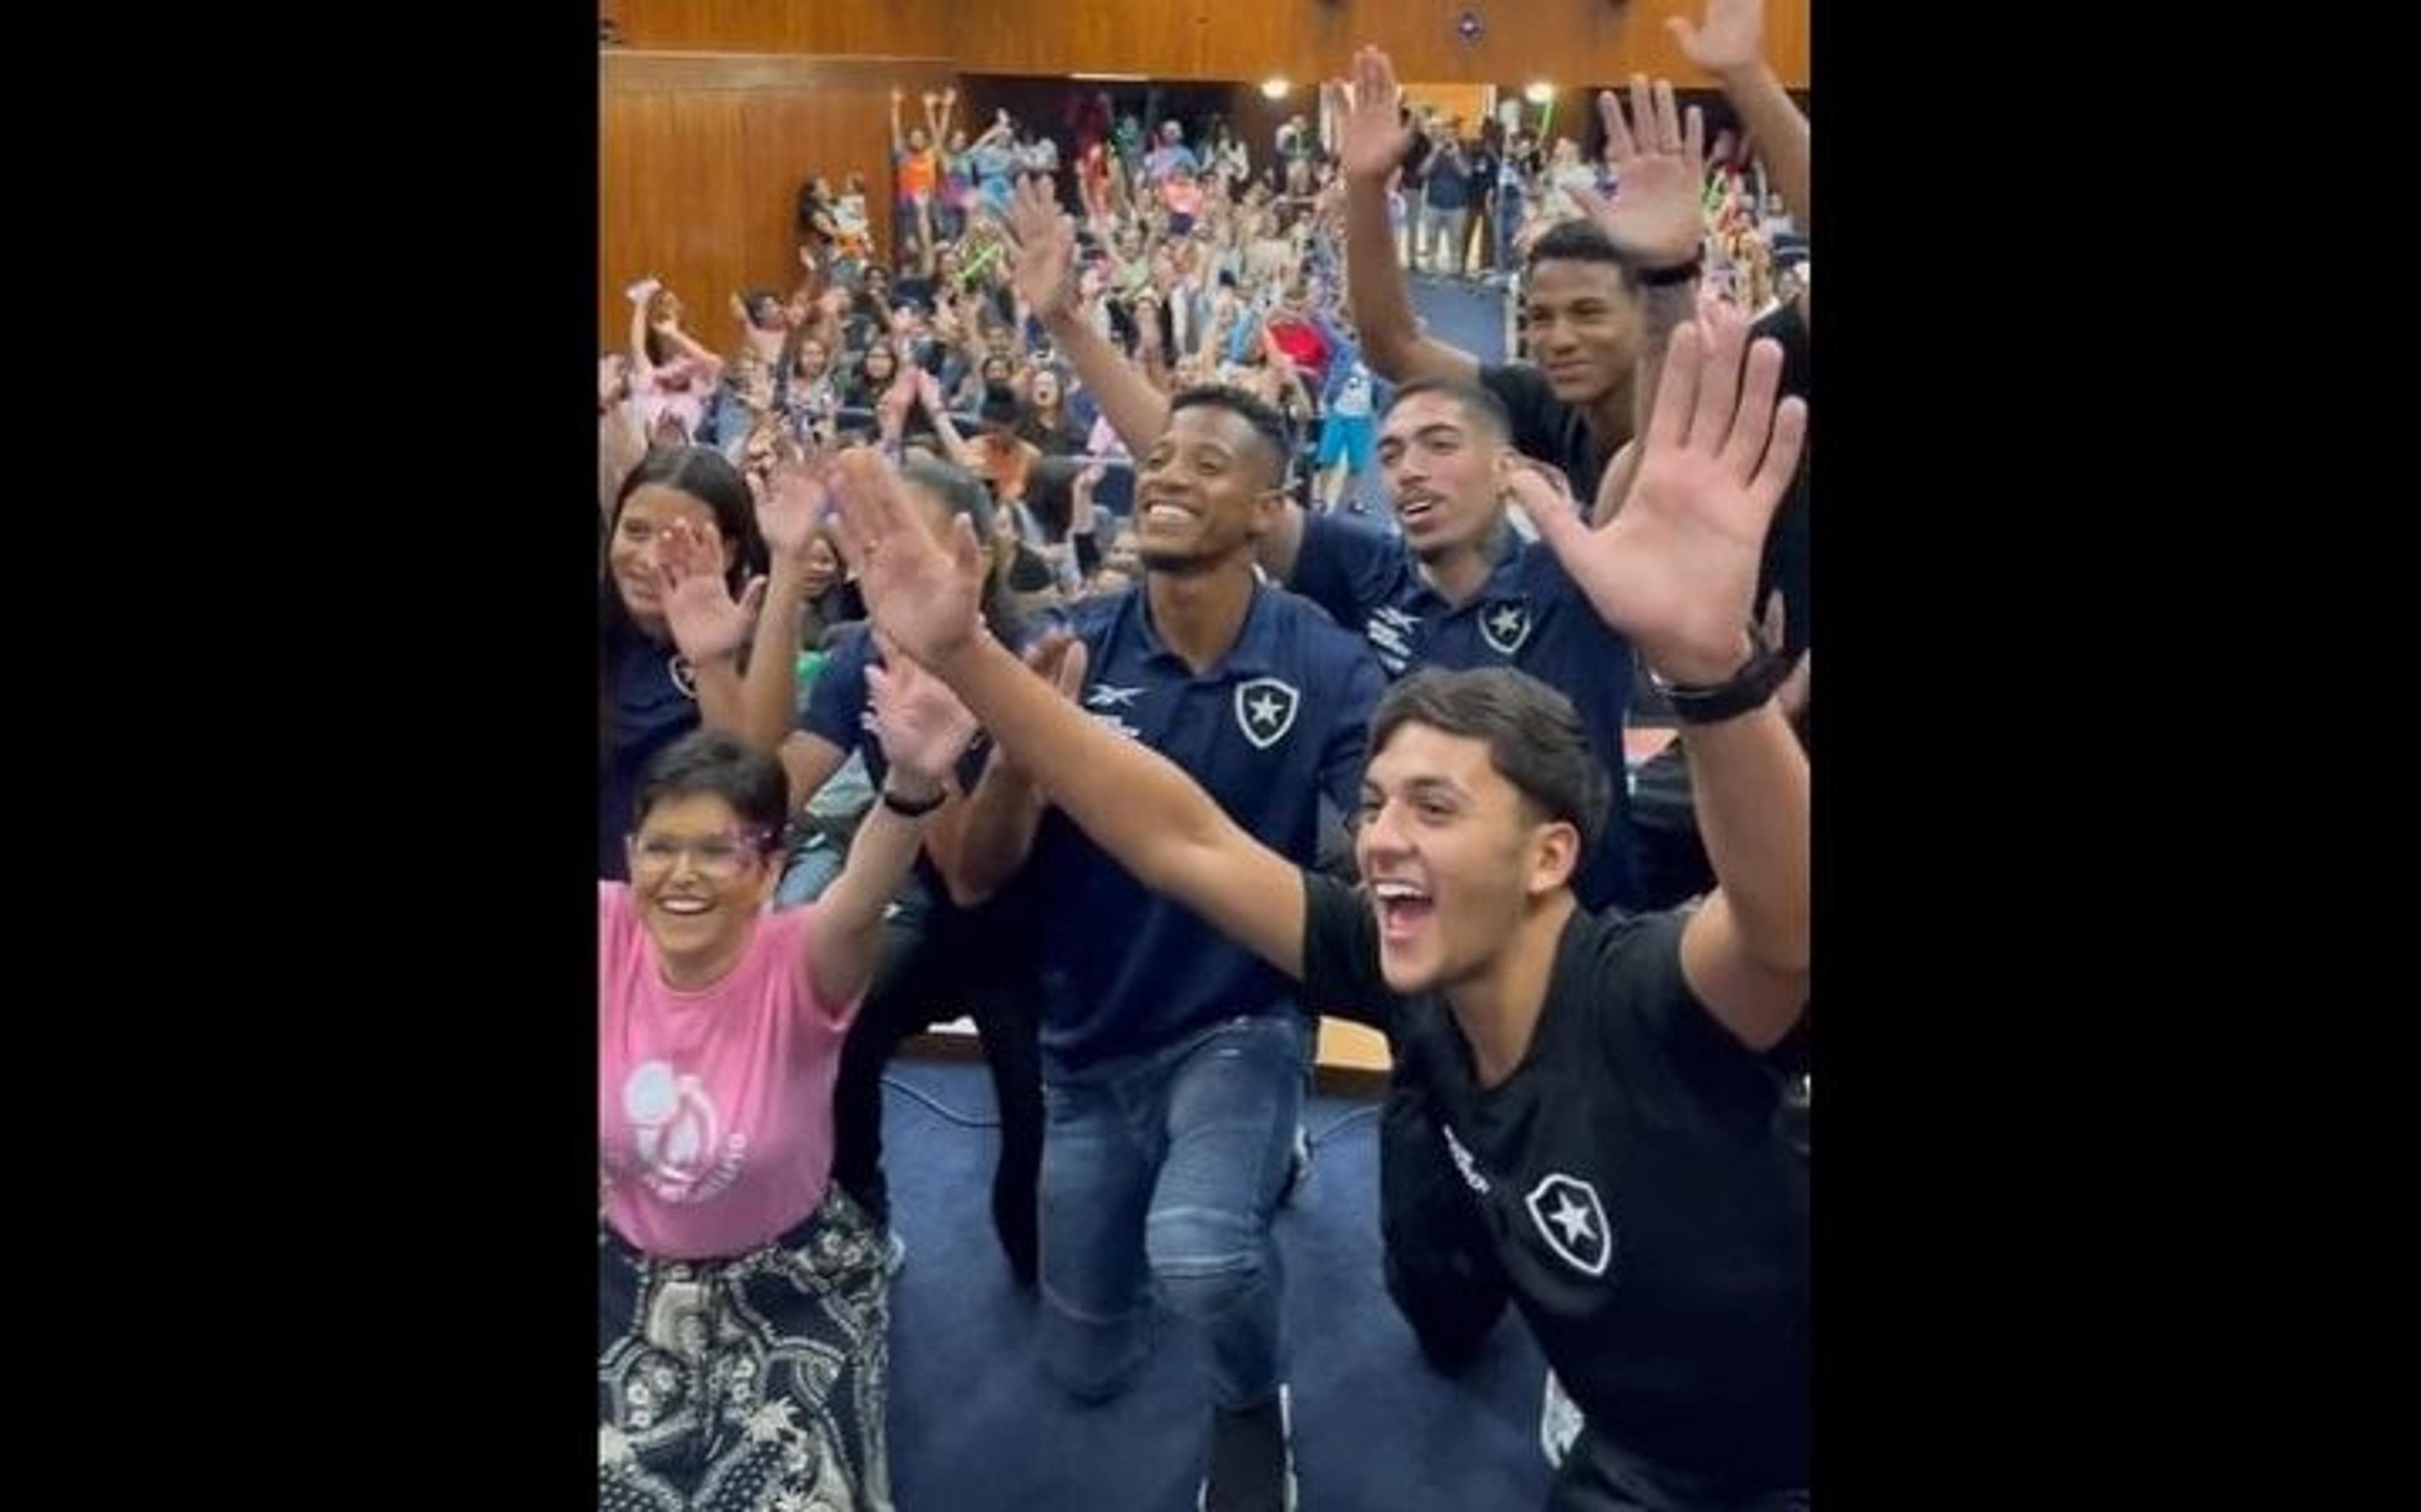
<point x="428" y="982"/>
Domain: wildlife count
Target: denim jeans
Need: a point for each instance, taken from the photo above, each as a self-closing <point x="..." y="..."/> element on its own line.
<point x="1509" y="223"/>
<point x="1163" y="1173"/>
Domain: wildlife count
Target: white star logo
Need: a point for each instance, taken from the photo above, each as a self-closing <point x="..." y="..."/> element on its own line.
<point x="1506" y="627"/>
<point x="1265" y="710"/>
<point x="1573" y="1218"/>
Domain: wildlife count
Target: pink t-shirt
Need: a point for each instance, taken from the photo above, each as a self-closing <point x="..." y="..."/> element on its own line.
<point x="714" y="1108"/>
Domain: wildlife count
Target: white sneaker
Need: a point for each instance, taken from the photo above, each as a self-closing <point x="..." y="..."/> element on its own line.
<point x="1559" y="1423"/>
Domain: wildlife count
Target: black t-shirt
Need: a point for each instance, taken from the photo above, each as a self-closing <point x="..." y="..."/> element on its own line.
<point x="1644" y="1203"/>
<point x="1546" y="428"/>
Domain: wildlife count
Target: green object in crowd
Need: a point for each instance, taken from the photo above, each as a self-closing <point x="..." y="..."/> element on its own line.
<point x="810" y="663"/>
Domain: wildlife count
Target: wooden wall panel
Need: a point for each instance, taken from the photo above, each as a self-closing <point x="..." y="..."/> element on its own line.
<point x="699" y="161"/>
<point x="1240" y="39"/>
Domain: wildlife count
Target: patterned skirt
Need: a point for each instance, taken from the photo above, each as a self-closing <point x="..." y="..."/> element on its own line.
<point x="751" y="1384"/>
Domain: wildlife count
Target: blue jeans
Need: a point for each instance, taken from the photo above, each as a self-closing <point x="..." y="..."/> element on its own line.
<point x="1167" y="1169"/>
<point x="1508" y="221"/>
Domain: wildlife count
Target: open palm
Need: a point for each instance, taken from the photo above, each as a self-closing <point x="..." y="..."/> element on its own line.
<point x="1731" y="38"/>
<point x="1659" y="159"/>
<point x="1374" y="138"/>
<point x="923" y="728"/>
<point x="1041" y="248"/>
<point x="1676" y="570"/>
<point x="793" y="503"/>
<point x="920" y="592"/>
<point x="707" y="623"/>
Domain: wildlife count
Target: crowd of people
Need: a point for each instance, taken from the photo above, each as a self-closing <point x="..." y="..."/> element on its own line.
<point x="997" y="631"/>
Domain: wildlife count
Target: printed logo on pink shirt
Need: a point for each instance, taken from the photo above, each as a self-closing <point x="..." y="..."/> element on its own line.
<point x="677" y="1132"/>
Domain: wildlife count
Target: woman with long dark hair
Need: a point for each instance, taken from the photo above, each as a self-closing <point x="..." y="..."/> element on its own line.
<point x="681" y="642"/>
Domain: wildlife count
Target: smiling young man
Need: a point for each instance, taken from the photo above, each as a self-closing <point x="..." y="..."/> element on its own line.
<point x="1598" y="1078"/>
<point x="1173" y="1060"/>
<point x="1459" y="590"/>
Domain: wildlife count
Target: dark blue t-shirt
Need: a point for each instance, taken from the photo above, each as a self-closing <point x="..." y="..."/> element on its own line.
<point x="650" y="702"/>
<point x="1528" y="616"/>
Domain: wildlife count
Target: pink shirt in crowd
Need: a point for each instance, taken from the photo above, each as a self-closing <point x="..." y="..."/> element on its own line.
<point x="714" y="1107"/>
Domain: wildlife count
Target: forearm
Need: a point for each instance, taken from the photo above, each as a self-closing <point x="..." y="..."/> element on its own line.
<point x="1766" y="110"/>
<point x="771" y="690"/>
<point x="960" y="453"/>
<point x="640" y="366"/>
<point x="620" y="448"/>
<point x="1379" y="296"/>
<point x="692" y="346"/>
<point x="1133" y="801"/>
<point x="1002" y="816"/>
<point x="1749" y="786"/>
<point x="1135" y="409"/>
<point x="722" y="696"/>
<point x="848" y="923"/>
<point x="1662" y="310"/>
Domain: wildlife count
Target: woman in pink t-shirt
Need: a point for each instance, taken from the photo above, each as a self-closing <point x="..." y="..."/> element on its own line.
<point x="672" y="374"/>
<point x="743" y="1301"/>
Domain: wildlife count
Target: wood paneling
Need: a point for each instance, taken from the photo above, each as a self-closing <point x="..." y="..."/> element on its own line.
<point x="700" y="159"/>
<point x="1239" y="39"/>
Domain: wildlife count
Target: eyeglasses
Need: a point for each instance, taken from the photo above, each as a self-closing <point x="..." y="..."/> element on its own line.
<point x="718" y="858"/>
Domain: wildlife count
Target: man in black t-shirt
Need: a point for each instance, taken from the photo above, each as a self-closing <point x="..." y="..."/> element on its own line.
<point x="1597" y="293"/>
<point x="1597" y="1080"/>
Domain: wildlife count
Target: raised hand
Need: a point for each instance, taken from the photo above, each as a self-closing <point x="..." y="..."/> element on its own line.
<point x="921" y="592"/>
<point x="708" y="624"/>
<point x="1732" y="41"/>
<point x="1675" y="570"/>
<point x="1040" y="244"/>
<point x="1656" y="216"/>
<point x="794" y="502"/>
<point x="923" y="728"/>
<point x="1372" y="142"/>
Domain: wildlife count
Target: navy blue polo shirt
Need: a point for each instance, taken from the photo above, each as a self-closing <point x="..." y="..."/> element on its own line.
<point x="1528" y="615"/>
<point x="840" y="709"/>
<point x="1282" y="719"/>
<point x="649" y="704"/>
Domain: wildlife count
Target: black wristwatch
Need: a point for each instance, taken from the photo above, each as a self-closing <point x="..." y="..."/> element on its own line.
<point x="907" y="810"/>
<point x="1767" y="669"/>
